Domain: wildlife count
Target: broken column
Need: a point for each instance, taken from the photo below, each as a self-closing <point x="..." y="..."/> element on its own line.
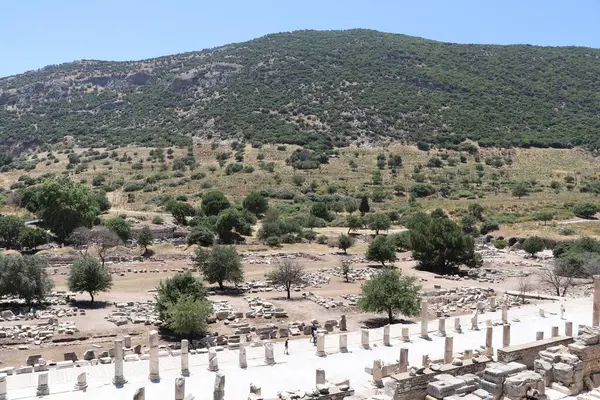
<point x="457" y="327"/>
<point x="343" y="343"/>
<point x="213" y="361"/>
<point x="426" y="360"/>
<point x="185" y="369"/>
<point x="448" y="350"/>
<point x="343" y="323"/>
<point x="153" y="375"/>
<point x="475" y="322"/>
<point x="219" y="390"/>
<point x="386" y="335"/>
<point x="596" y="308"/>
<point x="319" y="377"/>
<point x="119" y="379"/>
<point x="81" y="382"/>
<point x="179" y="388"/>
<point x="505" y="335"/>
<point x="441" y="327"/>
<point x="378" y="373"/>
<point x="364" y="339"/>
<point x="321" y="345"/>
<point x="269" y="354"/>
<point x="505" y="314"/>
<point x="554" y="331"/>
<point x="542" y="313"/>
<point x="488" y="341"/>
<point x="424" y="330"/>
<point x="493" y="303"/>
<point x="42" y="388"/>
<point x="403" y="359"/>
<point x="127" y="341"/>
<point x="405" y="337"/>
<point x="140" y="394"/>
<point x="539" y="335"/>
<point x="568" y="328"/>
<point x="255" y="389"/>
<point x="242" y="357"/>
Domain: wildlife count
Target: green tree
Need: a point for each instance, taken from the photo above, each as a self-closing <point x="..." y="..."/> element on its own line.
<point x="468" y="223"/>
<point x="10" y="229"/>
<point x="214" y="202"/>
<point x="401" y="240"/>
<point x="256" y="203"/>
<point x="346" y="267"/>
<point x="220" y="264"/>
<point x="379" y="222"/>
<point x="202" y="235"/>
<point x="381" y="250"/>
<point x="488" y="226"/>
<point x="344" y="242"/>
<point x="25" y="277"/>
<point x="30" y="238"/>
<point x="439" y="244"/>
<point x="320" y="210"/>
<point x="297" y="180"/>
<point x="287" y="273"/>
<point x="88" y="275"/>
<point x="171" y="289"/>
<point x="390" y="293"/>
<point x="351" y="206"/>
<point x="533" y="244"/>
<point x="119" y="226"/>
<point x="544" y="216"/>
<point x="585" y="210"/>
<point x="145" y="237"/>
<point x="364" y="205"/>
<point x="353" y="223"/>
<point x="233" y="219"/>
<point x="476" y="210"/>
<point x="181" y="210"/>
<point x="187" y="315"/>
<point x="519" y="190"/>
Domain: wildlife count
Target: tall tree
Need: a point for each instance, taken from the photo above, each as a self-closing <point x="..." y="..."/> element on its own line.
<point x="145" y="237"/>
<point x="25" y="277"/>
<point x="344" y="242"/>
<point x="10" y="229"/>
<point x="89" y="275"/>
<point x="214" y="202"/>
<point x="379" y="222"/>
<point x="256" y="203"/>
<point x="353" y="223"/>
<point x="389" y="292"/>
<point x="381" y="250"/>
<point x="364" y="205"/>
<point x="533" y="244"/>
<point x="30" y="238"/>
<point x="171" y="289"/>
<point x="220" y="264"/>
<point x="287" y="273"/>
<point x="119" y="226"/>
<point x="187" y="315"/>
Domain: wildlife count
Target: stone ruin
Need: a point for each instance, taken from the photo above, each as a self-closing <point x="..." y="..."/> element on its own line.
<point x="135" y="312"/>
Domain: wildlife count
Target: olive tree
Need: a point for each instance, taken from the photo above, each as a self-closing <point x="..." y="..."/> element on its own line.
<point x="287" y="273"/>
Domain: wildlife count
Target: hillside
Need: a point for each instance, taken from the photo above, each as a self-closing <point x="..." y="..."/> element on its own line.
<point x="316" y="89"/>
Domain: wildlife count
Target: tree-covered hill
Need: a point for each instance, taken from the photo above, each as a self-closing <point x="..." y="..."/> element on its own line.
<point x="318" y="89"/>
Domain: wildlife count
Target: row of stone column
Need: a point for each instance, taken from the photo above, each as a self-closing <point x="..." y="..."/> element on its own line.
<point x="554" y="331"/>
<point x="218" y="391"/>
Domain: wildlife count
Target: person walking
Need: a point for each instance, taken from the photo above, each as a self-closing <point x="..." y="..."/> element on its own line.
<point x="286" y="348"/>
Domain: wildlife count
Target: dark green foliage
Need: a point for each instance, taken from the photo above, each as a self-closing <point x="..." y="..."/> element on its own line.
<point x="381" y="250"/>
<point x="422" y="190"/>
<point x="320" y="210"/>
<point x="145" y="237"/>
<point x="181" y="210"/>
<point x="544" y="216"/>
<point x="533" y="244"/>
<point x="24" y="277"/>
<point x="520" y="189"/>
<point x="585" y="210"/>
<point x="439" y="244"/>
<point x="476" y="210"/>
<point x="306" y="159"/>
<point x="344" y="242"/>
<point x="214" y="202"/>
<point x="401" y="240"/>
<point x="10" y="229"/>
<point x="489" y="226"/>
<point x="89" y="275"/>
<point x="231" y="220"/>
<point x="187" y="315"/>
<point x="220" y="264"/>
<point x="389" y="292"/>
<point x="118" y="226"/>
<point x="353" y="223"/>
<point x="201" y="235"/>
<point x="364" y="205"/>
<point x="379" y="222"/>
<point x="30" y="238"/>
<point x="171" y="289"/>
<point x="274" y="226"/>
<point x="256" y="203"/>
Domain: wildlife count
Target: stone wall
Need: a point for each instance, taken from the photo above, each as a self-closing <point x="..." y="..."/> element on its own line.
<point x="406" y="387"/>
<point x="528" y="352"/>
<point x="589" y="354"/>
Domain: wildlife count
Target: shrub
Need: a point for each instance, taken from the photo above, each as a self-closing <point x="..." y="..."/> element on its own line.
<point x="322" y="239"/>
<point x="273" y="241"/>
<point x="500" y="244"/>
<point x="567" y="231"/>
<point x="158" y="220"/>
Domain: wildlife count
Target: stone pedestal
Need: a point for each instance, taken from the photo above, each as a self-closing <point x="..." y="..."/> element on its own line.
<point x="219" y="390"/>
<point x="424" y="327"/>
<point x="153" y="374"/>
<point x="269" y="354"/>
<point x="343" y="343"/>
<point x="405" y="337"/>
<point x="179" y="388"/>
<point x="426" y="360"/>
<point x="386" y="335"/>
<point x="539" y="335"/>
<point x="492" y="303"/>
<point x="213" y="361"/>
<point x="378" y="373"/>
<point x="364" y="339"/>
<point x="185" y="369"/>
<point x="457" y="327"/>
<point x="42" y="387"/>
<point x="321" y="345"/>
<point x="242" y="357"/>
<point x="475" y="321"/>
<point x="441" y="327"/>
<point x="343" y="323"/>
<point x="403" y="359"/>
<point x="81" y="382"/>
<point x="596" y="307"/>
<point x="320" y="376"/>
<point x="119" y="379"/>
<point x="542" y="313"/>
<point x="505" y="314"/>
<point x="448" y="349"/>
<point x="488" y="340"/>
<point x="505" y="335"/>
<point x="140" y="394"/>
<point x="468" y="354"/>
<point x="127" y="341"/>
<point x="568" y="328"/>
<point x="554" y="331"/>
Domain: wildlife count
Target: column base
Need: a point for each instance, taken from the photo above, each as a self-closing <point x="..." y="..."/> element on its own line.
<point x="82" y="386"/>
<point x="441" y="334"/>
<point x="119" y="380"/>
<point x="43" y="390"/>
<point x="343" y="349"/>
<point x="154" y="377"/>
<point x="185" y="372"/>
<point x="321" y="354"/>
<point x="213" y="369"/>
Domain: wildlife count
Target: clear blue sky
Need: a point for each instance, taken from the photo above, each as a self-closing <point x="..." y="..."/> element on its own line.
<point x="35" y="33"/>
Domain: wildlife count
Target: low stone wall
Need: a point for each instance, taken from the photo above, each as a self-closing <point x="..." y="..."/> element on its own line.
<point x="589" y="354"/>
<point x="528" y="352"/>
<point x="406" y="387"/>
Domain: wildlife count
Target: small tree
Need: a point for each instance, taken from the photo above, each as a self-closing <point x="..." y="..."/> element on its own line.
<point x="119" y="226"/>
<point x="525" y="286"/>
<point x="287" y="273"/>
<point x="379" y="222"/>
<point x="364" y="205"/>
<point x="104" y="239"/>
<point x="390" y="293"/>
<point x="187" y="315"/>
<point x="533" y="244"/>
<point x="220" y="264"/>
<point x="344" y="242"/>
<point x="353" y="223"/>
<point x="381" y="250"/>
<point x="31" y="238"/>
<point x="10" y="229"/>
<point x="145" y="237"/>
<point x="585" y="210"/>
<point x="346" y="267"/>
<point x="476" y="210"/>
<point x="544" y="216"/>
<point x="181" y="210"/>
<point x="256" y="203"/>
<point x="89" y="275"/>
<point x="214" y="202"/>
<point x="519" y="190"/>
<point x="558" y="278"/>
<point x="351" y="206"/>
<point x="171" y="289"/>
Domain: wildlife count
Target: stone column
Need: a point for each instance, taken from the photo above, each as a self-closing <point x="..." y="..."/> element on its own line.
<point x="554" y="331"/>
<point x="403" y="359"/>
<point x="467" y="354"/>
<point x="154" y="376"/>
<point x="426" y="360"/>
<point x="542" y="313"/>
<point x="255" y="389"/>
<point x="405" y="337"/>
<point x="568" y="328"/>
<point x="343" y="343"/>
<point x="179" y="388"/>
<point x="119" y="379"/>
<point x="213" y="361"/>
<point x="242" y="357"/>
<point x="457" y="327"/>
<point x="448" y="350"/>
<point x="493" y="303"/>
<point x="42" y="388"/>
<point x="475" y="321"/>
<point x="386" y="335"/>
<point x="505" y="335"/>
<point x="441" y="327"/>
<point x="320" y="376"/>
<point x="321" y="345"/>
<point x="127" y="341"/>
<point x="378" y="373"/>
<point x="505" y="314"/>
<point x="343" y="323"/>
<point x="81" y="382"/>
<point x="140" y="394"/>
<point x="219" y="391"/>
<point x="269" y="354"/>
<point x="539" y="335"/>
<point x="488" y="340"/>
<point x="596" y="308"/>
<point x="424" y="329"/>
<point x="364" y="339"/>
<point x="185" y="368"/>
